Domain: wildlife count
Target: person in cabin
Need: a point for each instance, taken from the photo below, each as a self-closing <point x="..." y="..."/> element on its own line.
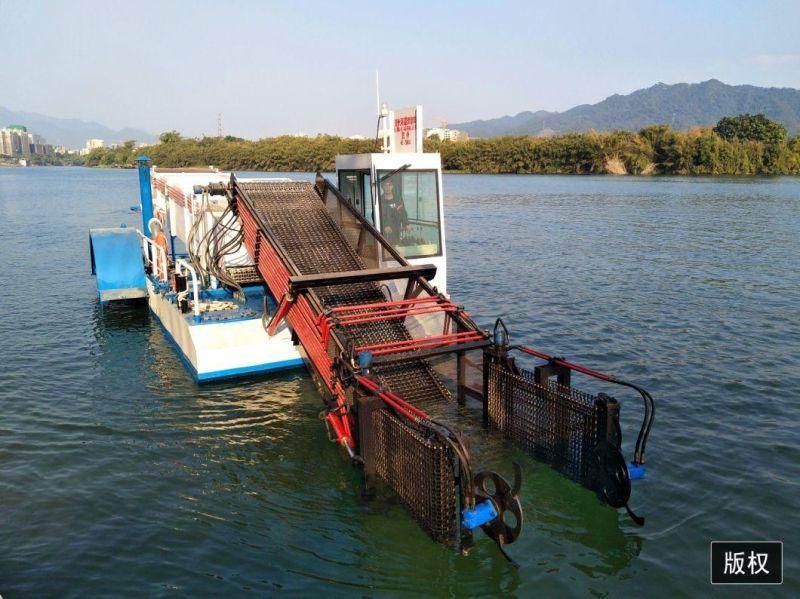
<point x="395" y="217"/>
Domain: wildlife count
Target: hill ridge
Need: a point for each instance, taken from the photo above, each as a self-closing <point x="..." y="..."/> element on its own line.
<point x="681" y="105"/>
<point x="70" y="132"/>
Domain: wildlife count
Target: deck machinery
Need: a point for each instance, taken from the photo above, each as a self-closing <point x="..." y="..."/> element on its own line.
<point x="350" y="279"/>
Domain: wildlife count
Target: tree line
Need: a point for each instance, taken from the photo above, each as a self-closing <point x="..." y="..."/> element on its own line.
<point x="741" y="145"/>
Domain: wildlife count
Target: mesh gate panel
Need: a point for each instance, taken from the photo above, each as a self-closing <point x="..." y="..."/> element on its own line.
<point x="556" y="424"/>
<point x="420" y="470"/>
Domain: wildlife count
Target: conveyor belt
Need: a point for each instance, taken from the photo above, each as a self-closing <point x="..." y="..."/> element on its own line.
<point x="315" y="244"/>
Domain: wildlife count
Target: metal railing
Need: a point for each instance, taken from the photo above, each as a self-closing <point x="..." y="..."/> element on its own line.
<point x="159" y="264"/>
<point x="160" y="268"/>
<point x="180" y="265"/>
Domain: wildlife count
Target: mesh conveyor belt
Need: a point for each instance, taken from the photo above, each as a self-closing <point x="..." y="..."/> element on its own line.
<point x="316" y="244"/>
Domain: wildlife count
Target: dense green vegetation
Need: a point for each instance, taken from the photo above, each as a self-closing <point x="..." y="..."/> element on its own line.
<point x="744" y="145"/>
<point x="286" y="153"/>
<point x="654" y="150"/>
<point x="748" y="127"/>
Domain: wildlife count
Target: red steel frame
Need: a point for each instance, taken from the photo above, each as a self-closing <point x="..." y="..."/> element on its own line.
<point x="394" y="310"/>
<point x="397" y="347"/>
<point x="567" y="364"/>
<point x="300" y="316"/>
<point x="400" y="405"/>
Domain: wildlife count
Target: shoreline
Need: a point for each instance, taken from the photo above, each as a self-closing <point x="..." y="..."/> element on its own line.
<point x="656" y="150"/>
<point x="449" y="172"/>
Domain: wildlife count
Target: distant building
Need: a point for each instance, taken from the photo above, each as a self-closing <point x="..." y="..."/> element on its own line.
<point x="446" y="134"/>
<point x="39" y="144"/>
<point x="92" y="144"/>
<point x="16" y="141"/>
<point x="359" y="137"/>
<point x="10" y="142"/>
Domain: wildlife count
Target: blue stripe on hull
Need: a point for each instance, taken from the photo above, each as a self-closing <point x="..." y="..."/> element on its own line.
<point x="246" y="370"/>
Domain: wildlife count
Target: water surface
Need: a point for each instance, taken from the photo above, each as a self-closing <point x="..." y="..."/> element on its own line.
<point x="118" y="474"/>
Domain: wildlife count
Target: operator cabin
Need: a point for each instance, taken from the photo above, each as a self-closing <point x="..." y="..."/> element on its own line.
<point x="399" y="191"/>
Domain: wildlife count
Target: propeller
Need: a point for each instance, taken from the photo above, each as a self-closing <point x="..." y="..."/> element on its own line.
<point x="504" y="497"/>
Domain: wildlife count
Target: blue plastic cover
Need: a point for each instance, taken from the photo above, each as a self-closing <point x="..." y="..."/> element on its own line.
<point x="117" y="262"/>
<point x="636" y="471"/>
<point x="483" y="513"/>
<point x="365" y="360"/>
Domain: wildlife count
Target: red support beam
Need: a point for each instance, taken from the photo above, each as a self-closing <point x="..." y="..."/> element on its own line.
<point x="403" y="407"/>
<point x="392" y="310"/>
<point x="407" y="345"/>
<point x="283" y="309"/>
<point x="567" y="364"/>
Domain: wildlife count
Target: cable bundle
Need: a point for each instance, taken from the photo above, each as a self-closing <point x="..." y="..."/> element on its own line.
<point x="223" y="238"/>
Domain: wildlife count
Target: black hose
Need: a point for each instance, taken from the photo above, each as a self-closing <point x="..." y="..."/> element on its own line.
<point x="216" y="248"/>
<point x="647" y="421"/>
<point x="462" y="454"/>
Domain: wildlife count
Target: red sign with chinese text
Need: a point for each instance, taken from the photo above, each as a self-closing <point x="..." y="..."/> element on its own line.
<point x="405" y="130"/>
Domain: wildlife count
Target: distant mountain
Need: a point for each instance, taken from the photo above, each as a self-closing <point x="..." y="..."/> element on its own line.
<point x="682" y="105"/>
<point x="72" y="133"/>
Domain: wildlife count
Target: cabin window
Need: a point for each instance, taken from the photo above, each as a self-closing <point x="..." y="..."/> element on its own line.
<point x="409" y="210"/>
<point x="356" y="187"/>
<point x="366" y="187"/>
<point x="351" y="189"/>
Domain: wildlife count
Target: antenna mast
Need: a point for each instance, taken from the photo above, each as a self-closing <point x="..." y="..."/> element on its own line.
<point x="378" y="91"/>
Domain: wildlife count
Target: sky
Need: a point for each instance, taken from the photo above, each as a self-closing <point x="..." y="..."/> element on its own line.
<point x="288" y="67"/>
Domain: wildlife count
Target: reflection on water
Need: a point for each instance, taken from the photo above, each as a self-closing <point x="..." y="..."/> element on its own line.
<point x="119" y="474"/>
<point x="581" y="518"/>
<point x="124" y="315"/>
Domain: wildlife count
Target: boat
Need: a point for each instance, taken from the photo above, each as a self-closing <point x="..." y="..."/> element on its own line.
<point x="348" y="278"/>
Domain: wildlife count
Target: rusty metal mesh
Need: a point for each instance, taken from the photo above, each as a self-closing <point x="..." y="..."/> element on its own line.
<point x="245" y="275"/>
<point x="553" y="423"/>
<point x="419" y="468"/>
